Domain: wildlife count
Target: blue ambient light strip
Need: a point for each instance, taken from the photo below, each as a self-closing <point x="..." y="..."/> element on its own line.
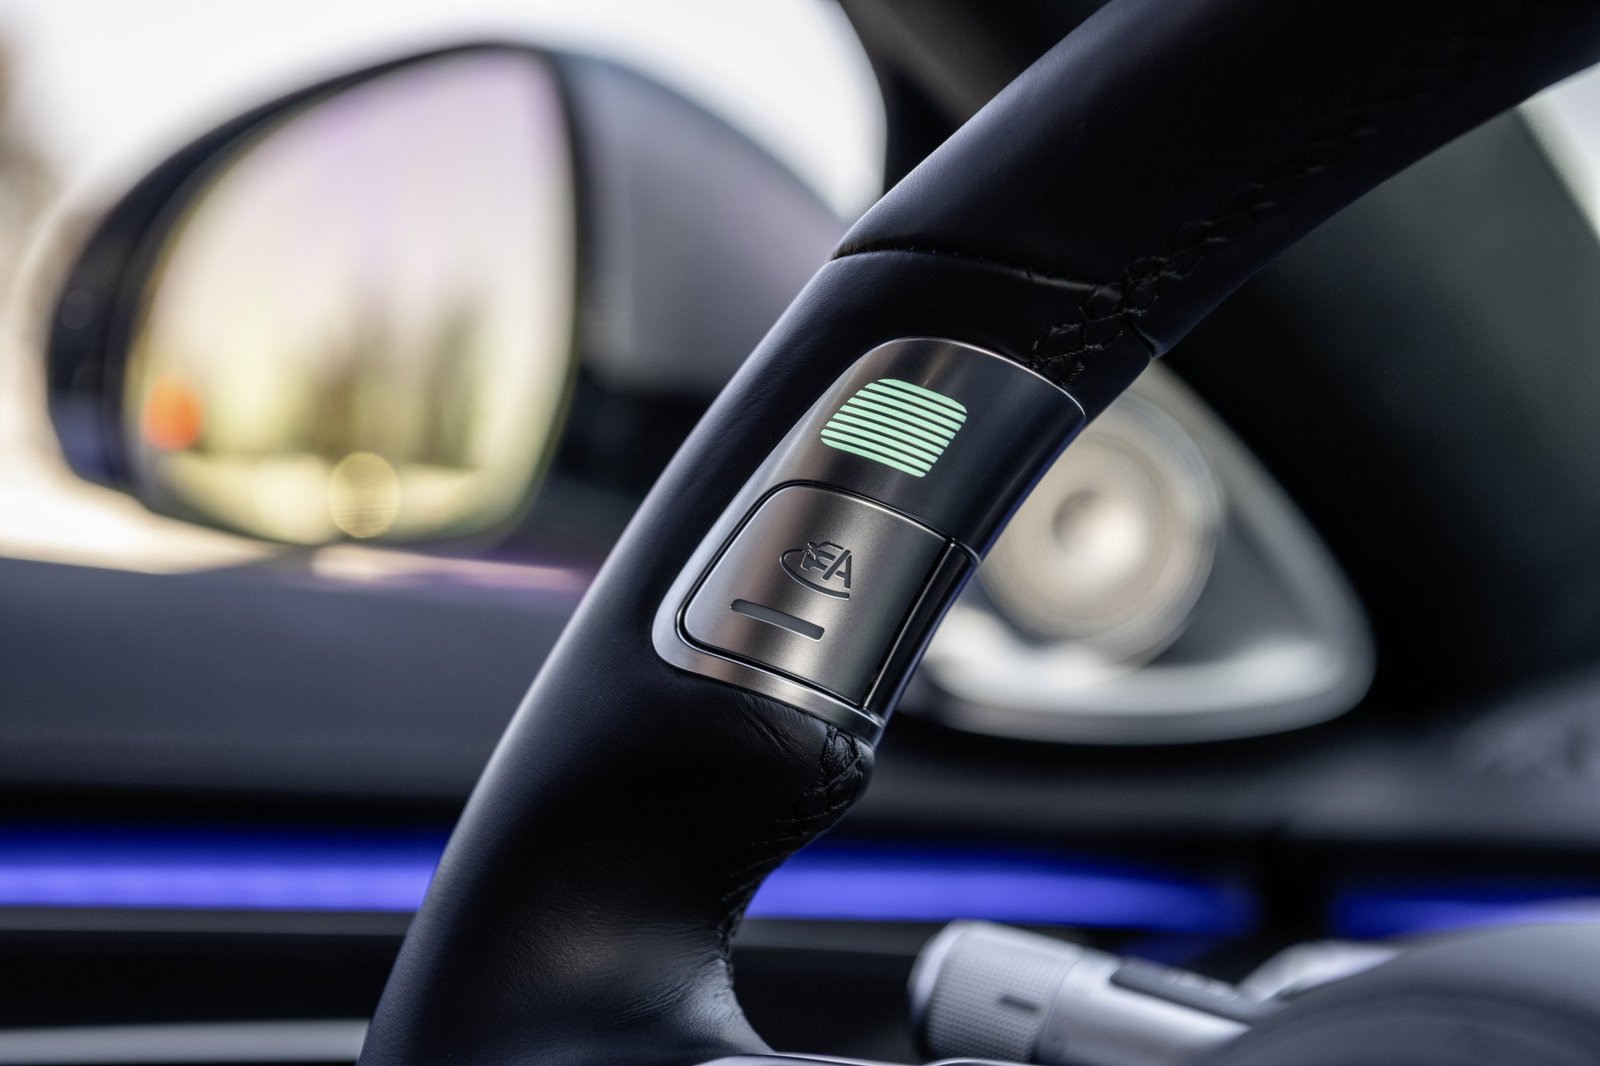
<point x="1377" y="910"/>
<point x="903" y="426"/>
<point x="931" y="884"/>
<point x="377" y="871"/>
<point x="217" y="870"/>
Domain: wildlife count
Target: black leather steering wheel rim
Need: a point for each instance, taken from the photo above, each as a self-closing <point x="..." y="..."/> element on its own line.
<point x="1079" y="225"/>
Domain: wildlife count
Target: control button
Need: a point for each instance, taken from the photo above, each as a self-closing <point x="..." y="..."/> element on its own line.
<point x="817" y="585"/>
<point x="903" y="426"/>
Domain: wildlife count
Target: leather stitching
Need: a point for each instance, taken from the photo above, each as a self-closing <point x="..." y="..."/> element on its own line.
<point x="841" y="777"/>
<point x="1113" y="310"/>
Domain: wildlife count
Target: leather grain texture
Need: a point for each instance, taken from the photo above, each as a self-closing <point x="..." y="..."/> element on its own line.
<point x="1091" y="214"/>
<point x="582" y="910"/>
<point x="1164" y="152"/>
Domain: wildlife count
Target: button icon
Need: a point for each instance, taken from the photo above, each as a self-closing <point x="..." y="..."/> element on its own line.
<point x="821" y="566"/>
<point x="903" y="426"/>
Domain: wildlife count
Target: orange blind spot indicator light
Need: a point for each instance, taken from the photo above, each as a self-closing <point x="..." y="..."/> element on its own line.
<point x="172" y="415"/>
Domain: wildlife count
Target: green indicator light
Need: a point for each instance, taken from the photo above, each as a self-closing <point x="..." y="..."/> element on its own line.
<point x="903" y="426"/>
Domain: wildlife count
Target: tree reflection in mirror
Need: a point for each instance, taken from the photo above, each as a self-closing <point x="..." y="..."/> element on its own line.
<point x="361" y="326"/>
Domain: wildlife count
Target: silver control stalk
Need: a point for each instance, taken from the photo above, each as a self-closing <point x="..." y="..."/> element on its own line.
<point x="984" y="991"/>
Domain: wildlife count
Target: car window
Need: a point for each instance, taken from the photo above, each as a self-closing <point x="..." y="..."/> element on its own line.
<point x="95" y="92"/>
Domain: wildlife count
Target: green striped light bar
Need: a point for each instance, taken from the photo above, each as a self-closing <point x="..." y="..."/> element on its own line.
<point x="896" y="423"/>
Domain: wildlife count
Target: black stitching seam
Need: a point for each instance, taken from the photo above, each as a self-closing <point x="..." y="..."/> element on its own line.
<point x="840" y="778"/>
<point x="1113" y="310"/>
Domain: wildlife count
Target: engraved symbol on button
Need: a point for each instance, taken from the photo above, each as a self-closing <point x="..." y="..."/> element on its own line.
<point x="821" y="566"/>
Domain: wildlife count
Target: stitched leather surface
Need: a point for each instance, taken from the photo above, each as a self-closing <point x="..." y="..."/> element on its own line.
<point x="1125" y="184"/>
<point x="582" y="910"/>
<point x="1165" y="151"/>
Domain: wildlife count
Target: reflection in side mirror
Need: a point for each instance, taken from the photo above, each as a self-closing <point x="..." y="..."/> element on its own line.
<point x="358" y="320"/>
<point x="358" y="311"/>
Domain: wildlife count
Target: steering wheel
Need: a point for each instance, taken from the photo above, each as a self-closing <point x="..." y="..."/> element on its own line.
<point x="714" y="703"/>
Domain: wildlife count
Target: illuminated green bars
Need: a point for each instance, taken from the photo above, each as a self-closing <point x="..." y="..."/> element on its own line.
<point x="896" y="423"/>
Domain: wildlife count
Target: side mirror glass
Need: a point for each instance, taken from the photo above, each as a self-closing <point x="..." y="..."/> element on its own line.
<point x="366" y="309"/>
<point x="355" y="319"/>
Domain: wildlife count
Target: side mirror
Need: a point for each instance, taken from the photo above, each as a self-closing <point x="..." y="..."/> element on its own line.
<point x="364" y="310"/>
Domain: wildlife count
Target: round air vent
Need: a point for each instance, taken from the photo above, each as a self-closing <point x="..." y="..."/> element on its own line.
<point x="1117" y="540"/>
<point x="1157" y="587"/>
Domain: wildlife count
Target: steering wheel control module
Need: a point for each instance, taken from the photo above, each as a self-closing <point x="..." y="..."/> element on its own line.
<point x="822" y="582"/>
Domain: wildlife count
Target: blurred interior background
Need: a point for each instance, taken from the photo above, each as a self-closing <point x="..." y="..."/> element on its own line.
<point x="327" y="381"/>
<point x="97" y="93"/>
